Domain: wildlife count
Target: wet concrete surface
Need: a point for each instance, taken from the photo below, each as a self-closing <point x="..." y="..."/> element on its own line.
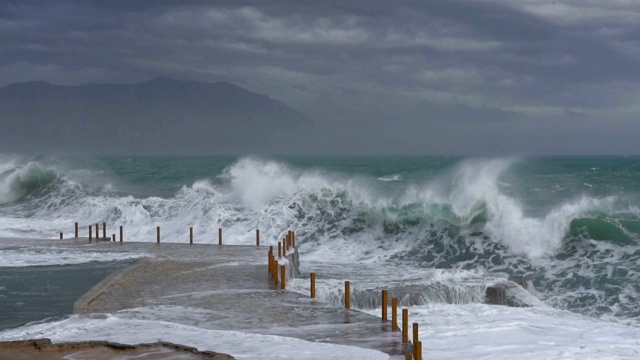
<point x="232" y="290"/>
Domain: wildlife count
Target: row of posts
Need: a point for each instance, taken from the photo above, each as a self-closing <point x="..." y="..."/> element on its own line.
<point x="104" y="233"/>
<point x="97" y="227"/>
<point x="278" y="274"/>
<point x="288" y="242"/>
<point x="417" y="344"/>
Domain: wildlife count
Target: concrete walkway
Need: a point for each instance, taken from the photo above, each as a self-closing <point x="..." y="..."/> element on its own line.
<point x="231" y="285"/>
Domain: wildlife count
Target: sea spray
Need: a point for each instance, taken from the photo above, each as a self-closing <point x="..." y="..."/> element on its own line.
<point x="502" y="217"/>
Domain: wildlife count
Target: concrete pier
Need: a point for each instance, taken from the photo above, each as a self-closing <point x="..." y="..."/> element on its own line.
<point x="232" y="283"/>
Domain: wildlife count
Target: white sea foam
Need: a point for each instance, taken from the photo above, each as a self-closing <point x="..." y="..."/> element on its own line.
<point x="498" y="332"/>
<point x="394" y="177"/>
<point x="116" y="328"/>
<point x="53" y="256"/>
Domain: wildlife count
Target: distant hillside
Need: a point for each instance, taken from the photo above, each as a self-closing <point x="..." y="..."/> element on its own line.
<point x="158" y="116"/>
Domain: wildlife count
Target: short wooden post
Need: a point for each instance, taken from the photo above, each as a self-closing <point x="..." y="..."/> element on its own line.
<point x="274" y="268"/>
<point x="284" y="248"/>
<point x="283" y="276"/>
<point x="113" y="237"/>
<point x="405" y="326"/>
<point x="271" y="260"/>
<point x="90" y="232"/>
<point x="279" y="250"/>
<point x="293" y="239"/>
<point x="219" y="236"/>
<point x="76" y="229"/>
<point x="190" y="235"/>
<point x="257" y="237"/>
<point x="104" y="230"/>
<point x="275" y="272"/>
<point x="313" y="285"/>
<point x="97" y="231"/>
<point x="418" y="350"/>
<point x="415" y="340"/>
<point x="60" y="236"/>
<point x="394" y="314"/>
<point x="121" y="233"/>
<point x="347" y="295"/>
<point x="158" y="234"/>
<point x="385" y="298"/>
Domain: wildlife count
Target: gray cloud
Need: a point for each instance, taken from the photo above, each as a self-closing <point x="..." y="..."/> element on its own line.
<point x="455" y="76"/>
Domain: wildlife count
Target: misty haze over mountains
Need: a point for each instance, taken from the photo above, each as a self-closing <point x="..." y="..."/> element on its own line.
<point x="161" y="116"/>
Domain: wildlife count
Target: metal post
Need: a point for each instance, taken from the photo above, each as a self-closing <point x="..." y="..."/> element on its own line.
<point x="405" y="326"/>
<point x="415" y="341"/>
<point x="385" y="297"/>
<point x="275" y="272"/>
<point x="394" y="314"/>
<point x="347" y="295"/>
<point x="313" y="285"/>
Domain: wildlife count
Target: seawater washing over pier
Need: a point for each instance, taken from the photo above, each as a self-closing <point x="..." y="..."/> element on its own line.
<point x="232" y="288"/>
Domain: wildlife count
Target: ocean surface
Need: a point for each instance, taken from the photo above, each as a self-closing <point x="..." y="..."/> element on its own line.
<point x="435" y="231"/>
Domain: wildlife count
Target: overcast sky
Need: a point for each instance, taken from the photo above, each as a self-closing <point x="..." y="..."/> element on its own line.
<point x="486" y="77"/>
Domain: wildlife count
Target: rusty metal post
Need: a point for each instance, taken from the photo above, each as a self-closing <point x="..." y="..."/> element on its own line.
<point x="219" y="236"/>
<point x="385" y="298"/>
<point x="394" y="314"/>
<point x="275" y="272"/>
<point x="104" y="230"/>
<point x="313" y="285"/>
<point x="283" y="276"/>
<point x="405" y="326"/>
<point x="347" y="295"/>
<point x="271" y="259"/>
<point x="415" y="340"/>
<point x="76" y="229"/>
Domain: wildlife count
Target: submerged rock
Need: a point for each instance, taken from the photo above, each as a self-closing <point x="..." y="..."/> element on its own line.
<point x="516" y="293"/>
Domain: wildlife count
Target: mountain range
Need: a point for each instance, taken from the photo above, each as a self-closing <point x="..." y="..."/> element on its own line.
<point x="160" y="116"/>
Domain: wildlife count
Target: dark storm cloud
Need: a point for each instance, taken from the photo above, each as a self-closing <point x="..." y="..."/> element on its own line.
<point x="403" y="72"/>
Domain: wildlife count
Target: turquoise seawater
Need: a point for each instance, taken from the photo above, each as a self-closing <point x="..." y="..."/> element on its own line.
<point x="37" y="293"/>
<point x="570" y="225"/>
